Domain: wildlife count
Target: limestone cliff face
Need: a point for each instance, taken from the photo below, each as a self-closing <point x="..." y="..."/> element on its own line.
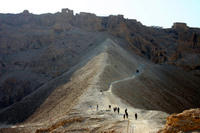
<point x="187" y="52"/>
<point x="159" y="45"/>
<point x="188" y="120"/>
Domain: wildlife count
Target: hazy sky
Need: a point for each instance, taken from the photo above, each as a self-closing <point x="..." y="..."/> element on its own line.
<point x="149" y="12"/>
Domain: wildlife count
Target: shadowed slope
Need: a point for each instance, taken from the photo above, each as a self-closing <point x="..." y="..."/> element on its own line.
<point x="164" y="88"/>
<point x="56" y="96"/>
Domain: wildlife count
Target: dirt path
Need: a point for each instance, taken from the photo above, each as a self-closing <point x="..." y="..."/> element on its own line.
<point x="145" y="122"/>
<point x="148" y="121"/>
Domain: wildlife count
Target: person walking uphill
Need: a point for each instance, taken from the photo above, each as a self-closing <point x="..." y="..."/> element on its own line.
<point x="126" y="110"/>
<point x="135" y="116"/>
<point x="118" y="110"/>
<point x="126" y="113"/>
<point x="124" y="116"/>
<point x="109" y="106"/>
<point x="115" y="109"/>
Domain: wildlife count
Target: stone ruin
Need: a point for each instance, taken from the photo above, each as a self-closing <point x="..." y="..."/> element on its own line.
<point x="67" y="11"/>
<point x="25" y="12"/>
<point x="180" y="26"/>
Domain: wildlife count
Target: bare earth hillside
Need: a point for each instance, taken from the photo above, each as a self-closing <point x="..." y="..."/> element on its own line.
<point x="56" y="68"/>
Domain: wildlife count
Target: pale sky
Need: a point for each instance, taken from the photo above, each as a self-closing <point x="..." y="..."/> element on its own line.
<point x="149" y="12"/>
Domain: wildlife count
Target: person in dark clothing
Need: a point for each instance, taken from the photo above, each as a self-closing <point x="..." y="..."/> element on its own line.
<point x="124" y="116"/>
<point x="125" y="111"/>
<point x="97" y="107"/>
<point x="118" y="110"/>
<point x="137" y="71"/>
<point x="127" y="115"/>
<point x="136" y="116"/>
<point x="115" y="109"/>
<point x="109" y="106"/>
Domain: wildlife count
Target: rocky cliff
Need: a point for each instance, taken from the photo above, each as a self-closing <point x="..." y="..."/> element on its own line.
<point x="188" y="120"/>
<point x="159" y="45"/>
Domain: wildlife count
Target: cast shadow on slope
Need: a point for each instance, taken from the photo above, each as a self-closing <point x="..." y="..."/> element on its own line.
<point x="163" y="88"/>
<point x="20" y="111"/>
<point x="31" y="104"/>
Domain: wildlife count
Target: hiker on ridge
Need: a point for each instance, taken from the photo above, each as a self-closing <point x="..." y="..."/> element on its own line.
<point x="115" y="109"/>
<point x="118" y="110"/>
<point x="126" y="115"/>
<point x="137" y="71"/>
<point x="109" y="106"/>
<point x="125" y="110"/>
<point x="135" y="116"/>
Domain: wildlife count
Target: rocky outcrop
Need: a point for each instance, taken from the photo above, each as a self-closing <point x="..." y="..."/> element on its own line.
<point x="188" y="120"/>
<point x="187" y="51"/>
<point x="87" y="21"/>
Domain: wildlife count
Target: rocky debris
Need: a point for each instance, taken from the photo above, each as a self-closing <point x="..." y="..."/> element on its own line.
<point x="188" y="120"/>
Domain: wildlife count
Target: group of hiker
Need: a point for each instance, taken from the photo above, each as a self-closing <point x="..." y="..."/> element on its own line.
<point x="115" y="109"/>
<point x="125" y="114"/>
